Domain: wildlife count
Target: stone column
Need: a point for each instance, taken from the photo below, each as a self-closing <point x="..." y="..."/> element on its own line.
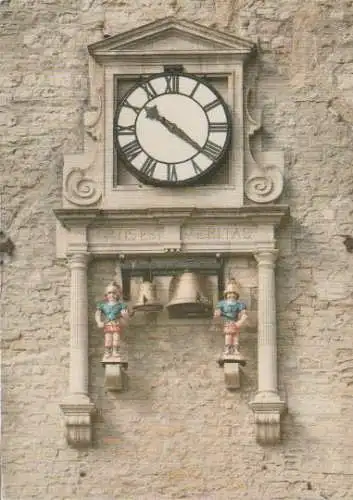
<point x="77" y="407"/>
<point x="78" y="325"/>
<point x="267" y="405"/>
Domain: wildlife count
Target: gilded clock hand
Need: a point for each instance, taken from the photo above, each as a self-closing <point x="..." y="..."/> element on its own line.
<point x="153" y="114"/>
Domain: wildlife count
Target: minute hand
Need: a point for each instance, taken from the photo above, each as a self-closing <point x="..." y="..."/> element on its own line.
<point x="173" y="128"/>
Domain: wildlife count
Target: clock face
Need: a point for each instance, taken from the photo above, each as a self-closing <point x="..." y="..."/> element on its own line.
<point x="172" y="129"/>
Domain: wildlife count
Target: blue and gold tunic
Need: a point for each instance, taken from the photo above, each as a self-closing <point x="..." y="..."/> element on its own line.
<point x="230" y="309"/>
<point x="111" y="311"/>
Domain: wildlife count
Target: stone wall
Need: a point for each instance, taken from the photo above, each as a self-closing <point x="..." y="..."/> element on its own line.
<point x="177" y="433"/>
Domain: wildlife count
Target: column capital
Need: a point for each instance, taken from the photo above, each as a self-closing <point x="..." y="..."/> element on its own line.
<point x="266" y="257"/>
<point x="79" y="259"/>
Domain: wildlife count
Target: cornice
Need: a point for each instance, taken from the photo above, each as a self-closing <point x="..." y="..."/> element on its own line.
<point x="269" y="214"/>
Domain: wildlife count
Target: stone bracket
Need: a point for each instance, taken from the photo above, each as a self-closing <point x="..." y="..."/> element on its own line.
<point x="78" y="423"/>
<point x="115" y="375"/>
<point x="232" y="372"/>
<point x="268" y="420"/>
<point x="232" y="375"/>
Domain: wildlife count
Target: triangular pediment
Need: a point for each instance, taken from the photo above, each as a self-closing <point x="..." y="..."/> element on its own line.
<point x="171" y="35"/>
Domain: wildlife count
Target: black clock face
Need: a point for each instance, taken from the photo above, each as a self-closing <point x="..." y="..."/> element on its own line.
<point x="171" y="129"/>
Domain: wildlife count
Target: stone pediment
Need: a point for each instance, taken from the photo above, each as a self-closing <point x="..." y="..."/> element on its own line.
<point x="171" y="35"/>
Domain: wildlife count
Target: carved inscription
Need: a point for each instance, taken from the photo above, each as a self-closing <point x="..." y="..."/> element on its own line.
<point x="220" y="233"/>
<point x="138" y="234"/>
<point x="131" y="236"/>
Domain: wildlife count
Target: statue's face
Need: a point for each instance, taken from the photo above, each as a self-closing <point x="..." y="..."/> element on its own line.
<point x="231" y="296"/>
<point x="112" y="295"/>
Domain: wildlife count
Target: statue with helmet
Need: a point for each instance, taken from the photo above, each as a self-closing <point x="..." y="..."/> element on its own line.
<point x="112" y="315"/>
<point x="234" y="314"/>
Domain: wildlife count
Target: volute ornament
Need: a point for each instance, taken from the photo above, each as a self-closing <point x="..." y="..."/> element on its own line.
<point x="81" y="190"/>
<point x="265" y="186"/>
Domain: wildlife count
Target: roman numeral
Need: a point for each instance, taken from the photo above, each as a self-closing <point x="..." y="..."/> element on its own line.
<point x="149" y="166"/>
<point x="194" y="89"/>
<point x="171" y="173"/>
<point x="127" y="104"/>
<point x="147" y="87"/>
<point x="218" y="127"/>
<point x="131" y="150"/>
<point x="197" y="169"/>
<point x="211" y="150"/>
<point x="128" y="130"/>
<point x="211" y="105"/>
<point x="172" y="84"/>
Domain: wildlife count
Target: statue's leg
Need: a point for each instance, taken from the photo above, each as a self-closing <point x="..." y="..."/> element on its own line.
<point x="116" y="343"/>
<point x="228" y="343"/>
<point x="236" y="343"/>
<point x="108" y="343"/>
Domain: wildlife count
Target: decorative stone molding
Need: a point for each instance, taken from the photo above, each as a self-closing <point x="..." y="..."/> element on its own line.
<point x="83" y="173"/>
<point x="264" y="169"/>
<point x="267" y="419"/>
<point x="79" y="187"/>
<point x="265" y="183"/>
<point x="115" y="232"/>
<point x="77" y="413"/>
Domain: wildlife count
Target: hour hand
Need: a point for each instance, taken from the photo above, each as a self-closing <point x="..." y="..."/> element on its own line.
<point x="152" y="113"/>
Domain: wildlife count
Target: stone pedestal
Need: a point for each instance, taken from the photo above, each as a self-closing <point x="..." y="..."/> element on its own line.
<point x="267" y="405"/>
<point x="231" y="375"/>
<point x="77" y="407"/>
<point x="115" y="375"/>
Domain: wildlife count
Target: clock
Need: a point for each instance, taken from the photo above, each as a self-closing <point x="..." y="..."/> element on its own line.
<point x="171" y="129"/>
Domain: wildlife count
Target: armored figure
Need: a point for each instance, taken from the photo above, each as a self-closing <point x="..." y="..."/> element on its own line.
<point x="234" y="315"/>
<point x="112" y="315"/>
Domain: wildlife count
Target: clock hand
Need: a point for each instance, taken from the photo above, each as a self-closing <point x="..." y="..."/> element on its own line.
<point x="153" y="113"/>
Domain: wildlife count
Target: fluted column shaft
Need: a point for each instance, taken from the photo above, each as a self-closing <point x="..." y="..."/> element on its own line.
<point x="267" y="336"/>
<point x="79" y="324"/>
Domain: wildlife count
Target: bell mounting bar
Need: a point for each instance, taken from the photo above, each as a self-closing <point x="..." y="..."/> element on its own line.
<point x="172" y="266"/>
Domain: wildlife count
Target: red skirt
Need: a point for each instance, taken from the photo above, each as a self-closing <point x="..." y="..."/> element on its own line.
<point x="112" y="327"/>
<point x="231" y="328"/>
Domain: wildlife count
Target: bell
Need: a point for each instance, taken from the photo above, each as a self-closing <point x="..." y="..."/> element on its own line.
<point x="147" y="300"/>
<point x="188" y="298"/>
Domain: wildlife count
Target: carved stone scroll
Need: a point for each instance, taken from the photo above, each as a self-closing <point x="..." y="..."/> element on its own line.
<point x="264" y="179"/>
<point x="265" y="186"/>
<point x="80" y="189"/>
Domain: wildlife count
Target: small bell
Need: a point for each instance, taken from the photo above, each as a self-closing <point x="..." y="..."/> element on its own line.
<point x="188" y="297"/>
<point x="147" y="300"/>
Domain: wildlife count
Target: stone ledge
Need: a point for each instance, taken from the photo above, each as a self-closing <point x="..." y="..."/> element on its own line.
<point x="270" y="213"/>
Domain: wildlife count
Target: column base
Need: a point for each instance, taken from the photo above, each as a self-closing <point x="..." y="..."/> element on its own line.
<point x="77" y="410"/>
<point x="267" y="408"/>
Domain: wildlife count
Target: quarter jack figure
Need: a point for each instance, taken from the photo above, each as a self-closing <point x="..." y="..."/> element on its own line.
<point x="234" y="314"/>
<point x="112" y="315"/>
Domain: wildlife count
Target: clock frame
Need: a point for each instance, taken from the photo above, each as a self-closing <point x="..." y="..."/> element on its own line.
<point x="118" y="62"/>
<point x="172" y="129"/>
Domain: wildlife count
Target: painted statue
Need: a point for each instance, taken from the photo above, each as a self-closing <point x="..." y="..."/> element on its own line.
<point x="112" y="315"/>
<point x="234" y="314"/>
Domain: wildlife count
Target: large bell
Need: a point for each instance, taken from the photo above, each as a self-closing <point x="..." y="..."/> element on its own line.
<point x="147" y="300"/>
<point x="188" y="297"/>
